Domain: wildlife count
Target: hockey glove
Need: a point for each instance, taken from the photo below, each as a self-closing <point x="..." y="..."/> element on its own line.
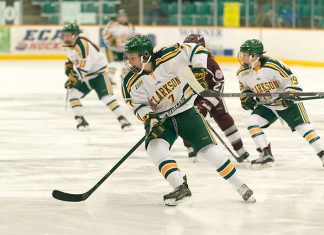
<point x="200" y="74"/>
<point x="248" y="103"/>
<point x="72" y="80"/>
<point x="152" y="125"/>
<point x="68" y="67"/>
<point x="285" y="102"/>
<point x="203" y="105"/>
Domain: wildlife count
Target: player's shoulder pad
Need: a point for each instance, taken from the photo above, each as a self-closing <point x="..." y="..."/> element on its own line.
<point x="279" y="66"/>
<point x="82" y="46"/>
<point x="170" y="49"/>
<point x="130" y="79"/>
<point x="241" y="69"/>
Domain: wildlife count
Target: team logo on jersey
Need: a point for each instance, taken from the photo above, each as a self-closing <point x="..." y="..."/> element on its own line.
<point x="139" y="84"/>
<point x="219" y="74"/>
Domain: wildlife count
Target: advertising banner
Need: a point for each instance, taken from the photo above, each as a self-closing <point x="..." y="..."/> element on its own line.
<point x="4" y="40"/>
<point x="43" y="39"/>
<point x="219" y="41"/>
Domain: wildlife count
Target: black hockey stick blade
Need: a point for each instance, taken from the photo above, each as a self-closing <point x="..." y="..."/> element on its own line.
<point x="68" y="197"/>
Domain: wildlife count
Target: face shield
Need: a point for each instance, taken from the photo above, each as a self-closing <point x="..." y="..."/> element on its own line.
<point x="135" y="61"/>
<point x="248" y="60"/>
<point x="68" y="38"/>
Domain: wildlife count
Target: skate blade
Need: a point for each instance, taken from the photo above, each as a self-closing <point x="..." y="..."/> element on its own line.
<point x="173" y="202"/>
<point x="128" y="128"/>
<point x="262" y="166"/>
<point x="83" y="129"/>
<point x="246" y="164"/>
<point x="251" y="199"/>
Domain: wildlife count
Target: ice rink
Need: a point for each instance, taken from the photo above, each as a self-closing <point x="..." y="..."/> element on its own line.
<point x="40" y="150"/>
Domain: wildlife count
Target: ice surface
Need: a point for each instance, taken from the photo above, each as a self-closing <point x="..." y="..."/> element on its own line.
<point x="40" y="150"/>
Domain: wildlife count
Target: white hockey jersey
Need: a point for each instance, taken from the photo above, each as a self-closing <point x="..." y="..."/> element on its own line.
<point x="117" y="34"/>
<point x="161" y="89"/>
<point x="86" y="59"/>
<point x="272" y="76"/>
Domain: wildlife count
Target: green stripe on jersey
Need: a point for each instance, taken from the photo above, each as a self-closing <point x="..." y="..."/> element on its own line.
<point x="80" y="44"/>
<point x="280" y="65"/>
<point x="193" y="51"/>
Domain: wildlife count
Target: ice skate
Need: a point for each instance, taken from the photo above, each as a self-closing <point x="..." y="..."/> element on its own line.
<point x="264" y="160"/>
<point x="243" y="155"/>
<point x="178" y="195"/>
<point x="246" y="193"/>
<point x="125" y="124"/>
<point x="82" y="124"/>
<point x="321" y="156"/>
<point x="192" y="154"/>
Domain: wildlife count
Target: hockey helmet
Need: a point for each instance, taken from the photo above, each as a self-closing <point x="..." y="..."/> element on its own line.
<point x="253" y="47"/>
<point x="72" y="28"/>
<point x="195" y="38"/>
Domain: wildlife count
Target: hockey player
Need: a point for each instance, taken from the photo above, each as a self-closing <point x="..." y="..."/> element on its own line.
<point x="153" y="87"/>
<point x="115" y="34"/>
<point x="216" y="106"/>
<point x="86" y="70"/>
<point x="259" y="73"/>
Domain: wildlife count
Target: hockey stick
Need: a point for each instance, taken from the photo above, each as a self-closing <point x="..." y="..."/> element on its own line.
<point x="223" y="142"/>
<point x="66" y="99"/>
<point x="306" y="98"/>
<point x="211" y="93"/>
<point x="69" y="197"/>
<point x="194" y="84"/>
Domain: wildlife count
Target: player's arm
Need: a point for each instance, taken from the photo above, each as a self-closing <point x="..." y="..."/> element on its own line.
<point x="135" y="98"/>
<point x="72" y="76"/>
<point x="85" y="57"/>
<point x="247" y="103"/>
<point x="197" y="56"/>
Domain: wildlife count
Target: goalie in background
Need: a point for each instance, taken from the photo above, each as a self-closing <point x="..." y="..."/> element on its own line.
<point x="216" y="106"/>
<point x="261" y="74"/>
<point x="115" y="35"/>
<point x="86" y="70"/>
<point x="153" y="87"/>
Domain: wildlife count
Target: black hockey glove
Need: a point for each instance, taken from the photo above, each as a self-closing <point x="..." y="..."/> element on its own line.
<point x="248" y="103"/>
<point x="200" y="75"/>
<point x="152" y="125"/>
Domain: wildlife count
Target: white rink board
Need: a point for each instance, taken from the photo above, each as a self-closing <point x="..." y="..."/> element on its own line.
<point x="41" y="151"/>
<point x="285" y="44"/>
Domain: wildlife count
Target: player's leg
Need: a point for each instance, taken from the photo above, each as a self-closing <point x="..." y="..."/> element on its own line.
<point x="203" y="142"/>
<point x="116" y="67"/>
<point x="261" y="117"/>
<point x="104" y="90"/>
<point x="191" y="152"/>
<point x="226" y="123"/>
<point x="74" y="96"/>
<point x="159" y="152"/>
<point x="297" y="119"/>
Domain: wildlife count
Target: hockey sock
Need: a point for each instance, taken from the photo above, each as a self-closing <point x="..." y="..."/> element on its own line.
<point x="307" y="131"/>
<point x="226" y="124"/>
<point x="170" y="171"/>
<point x="218" y="158"/>
<point x="76" y="106"/>
<point x="258" y="136"/>
<point x="112" y="104"/>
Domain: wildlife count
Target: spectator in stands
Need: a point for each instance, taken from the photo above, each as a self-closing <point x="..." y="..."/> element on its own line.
<point x="156" y="15"/>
